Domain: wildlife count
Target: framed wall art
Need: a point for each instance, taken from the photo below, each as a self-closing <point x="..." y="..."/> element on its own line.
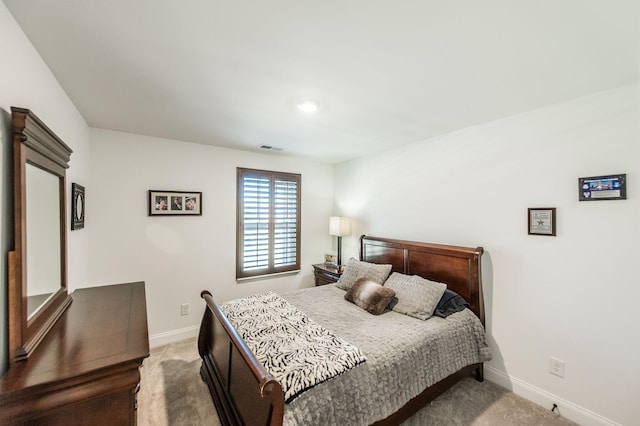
<point x="175" y="203"/>
<point x="542" y="221"/>
<point x="596" y="188"/>
<point x="77" y="206"/>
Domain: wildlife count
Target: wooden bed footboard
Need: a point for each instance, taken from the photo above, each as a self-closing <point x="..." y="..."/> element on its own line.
<point x="242" y="390"/>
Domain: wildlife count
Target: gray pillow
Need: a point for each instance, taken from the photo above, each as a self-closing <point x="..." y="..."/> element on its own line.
<point x="415" y="296"/>
<point x="370" y="296"/>
<point x="355" y="269"/>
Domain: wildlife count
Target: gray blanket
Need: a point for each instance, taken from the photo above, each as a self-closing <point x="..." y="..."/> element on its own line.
<point x="404" y="356"/>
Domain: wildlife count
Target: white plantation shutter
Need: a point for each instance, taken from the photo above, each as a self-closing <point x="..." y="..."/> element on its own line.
<point x="268" y="225"/>
<point x="256" y="223"/>
<point x="286" y="223"/>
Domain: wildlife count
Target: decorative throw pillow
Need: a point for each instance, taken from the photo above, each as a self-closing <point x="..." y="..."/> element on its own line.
<point x="415" y="296"/>
<point x="355" y="269"/>
<point x="450" y="303"/>
<point x="370" y="296"/>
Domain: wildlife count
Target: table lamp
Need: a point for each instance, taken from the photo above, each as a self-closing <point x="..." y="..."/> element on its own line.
<point x="340" y="227"/>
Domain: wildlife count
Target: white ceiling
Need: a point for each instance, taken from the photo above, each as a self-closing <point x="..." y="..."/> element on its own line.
<point x="386" y="73"/>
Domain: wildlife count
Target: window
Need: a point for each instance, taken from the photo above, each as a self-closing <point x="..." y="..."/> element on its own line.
<point x="268" y="222"/>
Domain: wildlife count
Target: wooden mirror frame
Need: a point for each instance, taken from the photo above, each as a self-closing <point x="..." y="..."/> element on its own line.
<point x="34" y="143"/>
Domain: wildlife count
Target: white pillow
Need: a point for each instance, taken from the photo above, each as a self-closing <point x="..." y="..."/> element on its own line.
<point x="415" y="296"/>
<point x="355" y="269"/>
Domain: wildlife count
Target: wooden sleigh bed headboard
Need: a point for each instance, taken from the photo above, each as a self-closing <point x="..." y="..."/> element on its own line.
<point x="245" y="393"/>
<point x="458" y="267"/>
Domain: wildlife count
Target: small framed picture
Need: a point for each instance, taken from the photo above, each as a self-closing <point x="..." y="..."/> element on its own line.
<point x="77" y="206"/>
<point x="542" y="221"/>
<point x="596" y="188"/>
<point x="174" y="203"/>
<point x="331" y="260"/>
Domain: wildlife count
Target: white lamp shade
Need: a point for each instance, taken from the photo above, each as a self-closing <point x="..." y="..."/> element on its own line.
<point x="339" y="226"/>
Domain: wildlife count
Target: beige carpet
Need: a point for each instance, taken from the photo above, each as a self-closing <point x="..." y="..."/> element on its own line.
<point x="172" y="393"/>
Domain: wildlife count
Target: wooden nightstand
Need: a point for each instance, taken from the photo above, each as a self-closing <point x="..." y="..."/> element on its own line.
<point x="325" y="274"/>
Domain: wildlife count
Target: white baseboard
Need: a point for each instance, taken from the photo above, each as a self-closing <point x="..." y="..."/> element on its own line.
<point x="172" y="336"/>
<point x="567" y="409"/>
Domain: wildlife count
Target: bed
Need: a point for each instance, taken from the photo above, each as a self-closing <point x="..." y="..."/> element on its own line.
<point x="372" y="392"/>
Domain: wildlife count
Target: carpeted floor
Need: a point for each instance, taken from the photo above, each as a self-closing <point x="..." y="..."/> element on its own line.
<point x="172" y="393"/>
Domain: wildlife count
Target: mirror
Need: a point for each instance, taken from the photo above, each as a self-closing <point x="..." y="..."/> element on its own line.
<point x="38" y="265"/>
<point x="43" y="237"/>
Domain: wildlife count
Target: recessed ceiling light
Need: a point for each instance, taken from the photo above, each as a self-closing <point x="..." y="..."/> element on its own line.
<point x="308" y="106"/>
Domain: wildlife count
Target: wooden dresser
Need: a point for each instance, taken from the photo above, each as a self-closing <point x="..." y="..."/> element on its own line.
<point x="86" y="370"/>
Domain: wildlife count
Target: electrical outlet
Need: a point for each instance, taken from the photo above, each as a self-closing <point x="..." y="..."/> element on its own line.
<point x="556" y="366"/>
<point x="184" y="309"/>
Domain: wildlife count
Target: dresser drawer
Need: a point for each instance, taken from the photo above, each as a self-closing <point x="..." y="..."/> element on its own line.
<point x="325" y="274"/>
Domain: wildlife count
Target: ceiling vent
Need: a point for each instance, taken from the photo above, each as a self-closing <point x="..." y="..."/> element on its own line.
<point x="269" y="148"/>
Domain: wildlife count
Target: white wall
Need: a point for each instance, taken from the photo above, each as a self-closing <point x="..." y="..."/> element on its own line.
<point x="26" y="81"/>
<point x="572" y="296"/>
<point x="178" y="257"/>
